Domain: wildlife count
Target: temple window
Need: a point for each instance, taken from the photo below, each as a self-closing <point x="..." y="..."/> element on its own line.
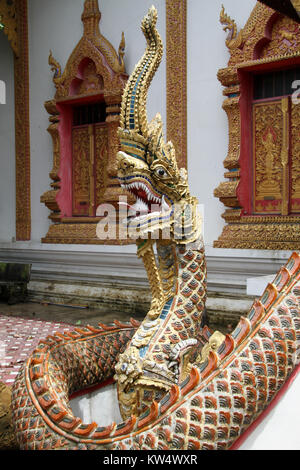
<point x="84" y="118"/>
<point x="275" y="169"/>
<point x="261" y="191"/>
<point x="278" y="83"/>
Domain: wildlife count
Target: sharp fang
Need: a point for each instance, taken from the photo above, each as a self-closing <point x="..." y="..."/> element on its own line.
<point x="164" y="205"/>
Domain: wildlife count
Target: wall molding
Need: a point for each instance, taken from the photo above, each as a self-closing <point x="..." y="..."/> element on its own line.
<point x="176" y="64"/>
<point x="227" y="273"/>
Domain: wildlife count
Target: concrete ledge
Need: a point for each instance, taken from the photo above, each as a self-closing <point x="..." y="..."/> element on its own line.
<point x="228" y="270"/>
<point x="257" y="285"/>
<point x="134" y="301"/>
<point x="224" y="310"/>
<point x="115" y="279"/>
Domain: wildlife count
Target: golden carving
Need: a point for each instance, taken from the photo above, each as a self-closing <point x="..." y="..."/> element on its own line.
<point x="254" y="30"/>
<point x="295" y="161"/>
<point x="55" y="67"/>
<point x="231" y="106"/>
<point x="89" y="168"/>
<point x="101" y="152"/>
<point x="234" y="39"/>
<point x="22" y="127"/>
<point x="176" y="77"/>
<point x="285" y="156"/>
<point x="271" y="143"/>
<point x="285" y="38"/>
<point x="49" y="197"/>
<point x="81" y="232"/>
<point x="92" y="82"/>
<point x="267" y="136"/>
<point x="265" y="236"/>
<point x="213" y="344"/>
<point x="226" y="192"/>
<point x="81" y="171"/>
<point x="108" y="64"/>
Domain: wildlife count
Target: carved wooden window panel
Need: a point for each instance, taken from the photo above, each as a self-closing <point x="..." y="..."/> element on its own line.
<point x="275" y="165"/>
<point x="89" y="162"/>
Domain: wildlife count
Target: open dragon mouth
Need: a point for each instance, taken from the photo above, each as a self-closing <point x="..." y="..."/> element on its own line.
<point x="146" y="201"/>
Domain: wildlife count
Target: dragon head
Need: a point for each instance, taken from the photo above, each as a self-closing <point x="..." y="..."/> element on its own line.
<point x="146" y="165"/>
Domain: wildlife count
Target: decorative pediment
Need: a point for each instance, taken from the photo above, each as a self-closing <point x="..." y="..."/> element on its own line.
<point x="267" y="36"/>
<point x="94" y="65"/>
<point x="290" y="8"/>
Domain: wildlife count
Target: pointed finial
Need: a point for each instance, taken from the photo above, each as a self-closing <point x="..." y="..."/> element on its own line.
<point x="91" y="17"/>
<point x="122" y="48"/>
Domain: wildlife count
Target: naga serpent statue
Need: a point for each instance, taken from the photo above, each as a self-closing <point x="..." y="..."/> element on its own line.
<point x="180" y="386"/>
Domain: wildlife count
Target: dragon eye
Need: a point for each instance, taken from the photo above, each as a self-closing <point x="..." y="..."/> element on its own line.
<point x="161" y="172"/>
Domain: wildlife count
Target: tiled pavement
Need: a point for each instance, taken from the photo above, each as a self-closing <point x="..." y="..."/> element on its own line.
<point x="22" y="326"/>
<point x="18" y="338"/>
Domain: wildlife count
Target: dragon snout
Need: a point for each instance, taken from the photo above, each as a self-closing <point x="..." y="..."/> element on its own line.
<point x="123" y="162"/>
<point x="127" y="164"/>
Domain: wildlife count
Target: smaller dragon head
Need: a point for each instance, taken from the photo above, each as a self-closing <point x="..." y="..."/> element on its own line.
<point x="146" y="165"/>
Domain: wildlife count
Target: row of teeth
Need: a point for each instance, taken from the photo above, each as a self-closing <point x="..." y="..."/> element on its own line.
<point x="138" y="185"/>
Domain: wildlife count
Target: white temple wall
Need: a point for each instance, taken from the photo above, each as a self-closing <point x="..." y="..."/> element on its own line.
<point x="7" y="142"/>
